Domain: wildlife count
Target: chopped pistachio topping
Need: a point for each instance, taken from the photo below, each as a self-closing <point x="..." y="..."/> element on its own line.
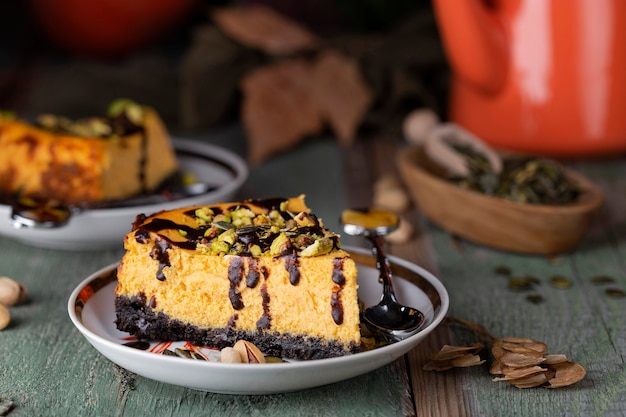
<point x="241" y="231"/>
<point x="124" y="117"/>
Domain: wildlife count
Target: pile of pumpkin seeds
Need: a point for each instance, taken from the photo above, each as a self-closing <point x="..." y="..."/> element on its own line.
<point x="523" y="179"/>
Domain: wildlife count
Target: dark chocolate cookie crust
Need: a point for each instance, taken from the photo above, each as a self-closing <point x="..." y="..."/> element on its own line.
<point x="134" y="316"/>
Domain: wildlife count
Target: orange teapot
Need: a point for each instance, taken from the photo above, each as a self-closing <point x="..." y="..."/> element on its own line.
<point x="538" y="76"/>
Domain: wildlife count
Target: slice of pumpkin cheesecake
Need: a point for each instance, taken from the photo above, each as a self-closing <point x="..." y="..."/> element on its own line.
<point x="264" y="271"/>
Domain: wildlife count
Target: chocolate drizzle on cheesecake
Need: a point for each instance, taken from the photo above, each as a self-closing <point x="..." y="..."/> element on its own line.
<point x="335" y="299"/>
<point x="252" y="278"/>
<point x="235" y="274"/>
<point x="265" y="321"/>
<point x="338" y="276"/>
<point x="291" y="265"/>
<point x="232" y="322"/>
<point x="336" y="307"/>
<point x="159" y="252"/>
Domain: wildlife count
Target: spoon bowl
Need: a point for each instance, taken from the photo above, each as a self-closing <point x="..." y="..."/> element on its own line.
<point x="388" y="318"/>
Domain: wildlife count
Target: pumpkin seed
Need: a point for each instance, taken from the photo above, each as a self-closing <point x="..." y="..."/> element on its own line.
<point x="521" y="283"/>
<point x="559" y="281"/>
<point x="534" y="298"/>
<point x="602" y="279"/>
<point x="183" y="353"/>
<point x="274" y="359"/>
<point x="502" y="270"/>
<point x="615" y="292"/>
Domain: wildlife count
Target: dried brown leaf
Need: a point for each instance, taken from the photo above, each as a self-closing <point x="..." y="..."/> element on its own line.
<point x="530" y="381"/>
<point x="555" y="358"/>
<point x="342" y="93"/>
<point x="467" y="360"/>
<point x="497" y="351"/>
<point x="550" y="372"/>
<point x="531" y="347"/>
<point x="261" y="27"/>
<point x="515" y="373"/>
<point x="518" y="360"/>
<point x="567" y="373"/>
<point x="450" y="352"/>
<point x="278" y="108"/>
<point x="496" y="368"/>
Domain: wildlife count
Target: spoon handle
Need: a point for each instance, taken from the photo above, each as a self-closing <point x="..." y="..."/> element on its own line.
<point x="384" y="269"/>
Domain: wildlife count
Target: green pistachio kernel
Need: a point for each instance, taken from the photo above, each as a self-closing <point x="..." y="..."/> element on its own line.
<point x="204" y="213"/>
<point x="225" y="218"/>
<point x="279" y="244"/>
<point x="219" y="247"/>
<point x="203" y="248"/>
<point x="241" y="221"/>
<point x="319" y="247"/>
<point x="255" y="250"/>
<point x="303" y="219"/>
<point x="7" y="115"/>
<point x="229" y="236"/>
<point x="133" y="111"/>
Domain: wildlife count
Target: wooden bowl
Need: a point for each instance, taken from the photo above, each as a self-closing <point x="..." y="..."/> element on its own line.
<point x="496" y="222"/>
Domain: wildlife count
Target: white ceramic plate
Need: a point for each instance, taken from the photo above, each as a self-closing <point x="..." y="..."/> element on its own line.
<point x="91" y="310"/>
<point x="105" y="228"/>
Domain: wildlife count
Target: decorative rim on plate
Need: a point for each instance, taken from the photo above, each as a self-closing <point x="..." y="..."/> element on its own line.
<point x="413" y="283"/>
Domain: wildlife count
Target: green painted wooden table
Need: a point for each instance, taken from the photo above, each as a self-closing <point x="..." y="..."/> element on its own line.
<point x="47" y="368"/>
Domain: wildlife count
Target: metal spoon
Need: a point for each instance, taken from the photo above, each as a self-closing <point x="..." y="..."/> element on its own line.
<point x="388" y="318"/>
<point x="36" y="214"/>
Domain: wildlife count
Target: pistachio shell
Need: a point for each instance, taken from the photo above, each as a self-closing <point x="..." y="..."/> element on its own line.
<point x="249" y="352"/>
<point x="5" y="316"/>
<point x="418" y="124"/>
<point x="230" y="355"/>
<point x="11" y="292"/>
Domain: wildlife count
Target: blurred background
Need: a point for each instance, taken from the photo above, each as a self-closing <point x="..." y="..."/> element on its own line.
<point x="72" y="57"/>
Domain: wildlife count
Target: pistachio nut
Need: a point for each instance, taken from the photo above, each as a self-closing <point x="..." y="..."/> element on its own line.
<point x="5" y="316"/>
<point x="230" y="355"/>
<point x="418" y="124"/>
<point x="11" y="292"/>
<point x="249" y="352"/>
<point x="134" y="111"/>
<point x="319" y="247"/>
